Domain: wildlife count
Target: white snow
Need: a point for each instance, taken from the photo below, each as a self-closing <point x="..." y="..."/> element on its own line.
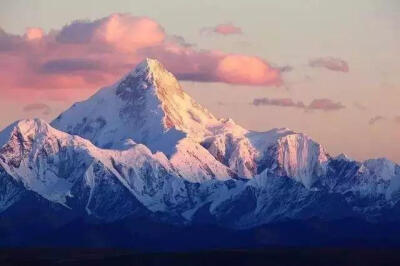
<point x="159" y="143"/>
<point x="147" y="106"/>
<point x="382" y="168"/>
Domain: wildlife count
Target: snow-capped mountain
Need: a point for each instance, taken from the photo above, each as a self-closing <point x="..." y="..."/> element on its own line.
<point x="144" y="147"/>
<point x="147" y="106"/>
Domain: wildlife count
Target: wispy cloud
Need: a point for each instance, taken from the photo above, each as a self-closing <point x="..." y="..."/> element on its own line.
<point x="360" y="106"/>
<point x="283" y="102"/>
<point x="317" y="104"/>
<point x="325" y="105"/>
<point x="70" y="65"/>
<point x="38" y="107"/>
<point x="376" y="119"/>
<point x="330" y="63"/>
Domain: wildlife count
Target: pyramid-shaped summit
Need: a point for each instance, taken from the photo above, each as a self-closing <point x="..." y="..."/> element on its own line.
<point x="146" y="106"/>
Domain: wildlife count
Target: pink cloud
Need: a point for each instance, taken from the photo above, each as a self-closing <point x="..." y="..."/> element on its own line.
<point x="330" y="63"/>
<point x="127" y="33"/>
<point x="121" y="32"/>
<point x="222" y="29"/>
<point x="214" y="66"/>
<point x="240" y="69"/>
<point x="227" y="29"/>
<point x="34" y="34"/>
<point x="90" y="54"/>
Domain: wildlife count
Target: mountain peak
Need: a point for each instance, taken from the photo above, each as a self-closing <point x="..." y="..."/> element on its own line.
<point x="152" y="72"/>
<point x="25" y="127"/>
<point x="148" y="105"/>
<point x="26" y="130"/>
<point x="150" y="65"/>
<point x="149" y="74"/>
<point x="150" y="86"/>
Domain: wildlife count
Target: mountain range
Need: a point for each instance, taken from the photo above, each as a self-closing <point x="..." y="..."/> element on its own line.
<point x="141" y="164"/>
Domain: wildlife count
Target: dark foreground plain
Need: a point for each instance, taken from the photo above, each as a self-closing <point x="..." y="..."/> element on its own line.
<point x="270" y="257"/>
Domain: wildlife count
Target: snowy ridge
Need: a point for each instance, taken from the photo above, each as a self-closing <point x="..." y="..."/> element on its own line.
<point x="144" y="146"/>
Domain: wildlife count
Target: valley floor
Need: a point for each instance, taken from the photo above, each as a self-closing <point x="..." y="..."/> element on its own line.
<point x="270" y="257"/>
